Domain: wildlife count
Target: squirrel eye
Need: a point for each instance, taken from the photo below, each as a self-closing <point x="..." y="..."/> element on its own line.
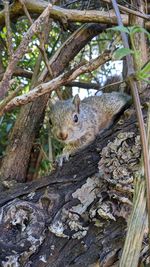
<point x="75" y="118"/>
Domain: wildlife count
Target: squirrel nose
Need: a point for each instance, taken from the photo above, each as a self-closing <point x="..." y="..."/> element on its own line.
<point x="62" y="136"/>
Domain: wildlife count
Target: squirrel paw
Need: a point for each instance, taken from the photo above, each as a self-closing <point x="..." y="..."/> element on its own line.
<point x="62" y="158"/>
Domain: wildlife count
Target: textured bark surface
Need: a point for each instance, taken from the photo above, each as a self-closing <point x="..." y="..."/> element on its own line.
<point x="76" y="216"/>
<point x="66" y="16"/>
<point x="140" y="40"/>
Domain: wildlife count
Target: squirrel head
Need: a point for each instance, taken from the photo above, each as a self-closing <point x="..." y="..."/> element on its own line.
<point x="66" y="119"/>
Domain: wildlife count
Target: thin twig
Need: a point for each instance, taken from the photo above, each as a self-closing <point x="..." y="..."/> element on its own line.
<point x="26" y="11"/>
<point x="36" y="71"/>
<point x="109" y="85"/>
<point x="20" y="51"/>
<point x="9" y="33"/>
<point x="84" y="85"/>
<point x="10" y="97"/>
<point x="58" y="81"/>
<point x="42" y="35"/>
<point x="19" y="72"/>
<point x="130" y="11"/>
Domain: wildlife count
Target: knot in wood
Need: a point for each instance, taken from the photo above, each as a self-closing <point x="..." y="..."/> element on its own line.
<point x="22" y="226"/>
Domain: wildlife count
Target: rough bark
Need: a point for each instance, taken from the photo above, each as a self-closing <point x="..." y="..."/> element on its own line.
<point x="67" y="15"/>
<point x="140" y="39"/>
<point x="16" y="161"/>
<point x="61" y="14"/>
<point x="77" y="216"/>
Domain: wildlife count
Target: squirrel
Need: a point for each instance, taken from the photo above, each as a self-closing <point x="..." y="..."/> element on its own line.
<point x="76" y="123"/>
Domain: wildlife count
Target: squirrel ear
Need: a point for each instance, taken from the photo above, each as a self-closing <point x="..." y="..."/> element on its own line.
<point x="76" y="101"/>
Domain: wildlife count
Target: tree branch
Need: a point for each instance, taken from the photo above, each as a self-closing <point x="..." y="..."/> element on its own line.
<point x="57" y="82"/>
<point x="69" y="15"/>
<point x="26" y="11"/>
<point x="10" y="97"/>
<point x="130" y="11"/>
<point x="84" y="85"/>
<point x="9" y="33"/>
<point x="19" y="72"/>
<point x="4" y="85"/>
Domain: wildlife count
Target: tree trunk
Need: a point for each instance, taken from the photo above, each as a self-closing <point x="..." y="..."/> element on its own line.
<point x="140" y="39"/>
<point x="76" y="216"/>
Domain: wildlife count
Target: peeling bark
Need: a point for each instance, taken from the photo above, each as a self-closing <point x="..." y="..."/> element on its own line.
<point x="82" y="209"/>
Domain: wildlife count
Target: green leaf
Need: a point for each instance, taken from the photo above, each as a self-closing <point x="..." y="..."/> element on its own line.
<point x="146" y="67"/>
<point x="144" y="73"/>
<point x="120" y="29"/>
<point x="122" y="52"/>
<point x="138" y="29"/>
<point x="142" y="76"/>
